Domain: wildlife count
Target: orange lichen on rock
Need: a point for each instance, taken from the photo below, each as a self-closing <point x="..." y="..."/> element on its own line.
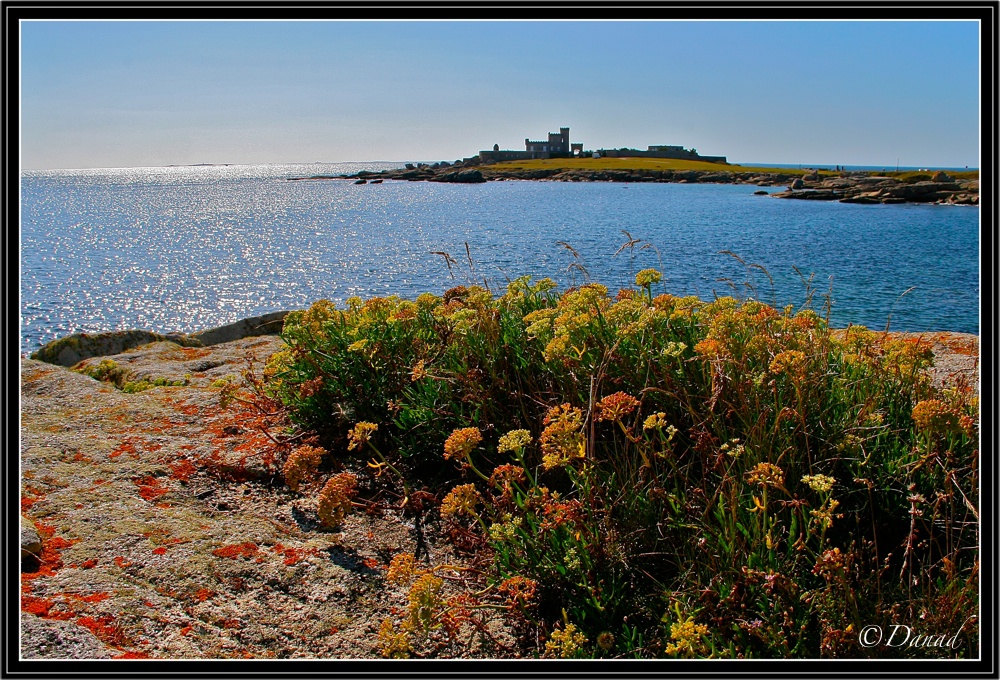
<point x="293" y="555"/>
<point x="50" y="560"/>
<point x="203" y="594"/>
<point x="183" y="469"/>
<point x="42" y="607"/>
<point x="237" y="550"/>
<point x="106" y="630"/>
<point x="126" y="446"/>
<point x="185" y="408"/>
<point x="150" y="488"/>
<point x="92" y="598"/>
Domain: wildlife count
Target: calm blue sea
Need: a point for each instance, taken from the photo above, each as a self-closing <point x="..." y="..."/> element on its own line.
<point x="188" y="248"/>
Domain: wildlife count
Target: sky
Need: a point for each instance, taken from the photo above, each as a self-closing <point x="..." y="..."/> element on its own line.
<point x="98" y="94"/>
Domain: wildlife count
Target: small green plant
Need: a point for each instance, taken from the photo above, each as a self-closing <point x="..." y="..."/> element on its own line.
<point x="107" y="371"/>
<point x="141" y="385"/>
<point x="110" y="371"/>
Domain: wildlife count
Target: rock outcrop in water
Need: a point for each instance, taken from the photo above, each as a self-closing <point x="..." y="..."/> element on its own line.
<point x="875" y="189"/>
<point x="75" y="348"/>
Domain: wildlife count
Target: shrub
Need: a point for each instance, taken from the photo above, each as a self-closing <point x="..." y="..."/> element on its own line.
<point x="672" y="477"/>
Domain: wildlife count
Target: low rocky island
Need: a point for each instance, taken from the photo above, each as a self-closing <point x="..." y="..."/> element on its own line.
<point x="846" y="187"/>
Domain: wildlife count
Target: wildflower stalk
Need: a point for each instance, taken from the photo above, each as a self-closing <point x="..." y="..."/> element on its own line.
<point x="386" y="463"/>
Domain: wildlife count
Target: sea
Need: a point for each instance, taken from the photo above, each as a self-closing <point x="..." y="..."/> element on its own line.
<point x="193" y="247"/>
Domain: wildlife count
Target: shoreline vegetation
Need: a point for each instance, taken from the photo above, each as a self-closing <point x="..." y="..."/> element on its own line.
<point x="537" y="473"/>
<point x="865" y="187"/>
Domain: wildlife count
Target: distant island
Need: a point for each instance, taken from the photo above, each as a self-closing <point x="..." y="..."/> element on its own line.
<point x="557" y="159"/>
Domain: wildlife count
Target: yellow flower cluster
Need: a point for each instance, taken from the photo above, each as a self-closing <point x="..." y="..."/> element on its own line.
<point x="425" y="603"/>
<point x="657" y="421"/>
<point x="557" y="348"/>
<point x="686" y="636"/>
<point x="565" y="643"/>
<point x="314" y="321"/>
<point x="394" y="645"/>
<point x="358" y="345"/>
<point x="674" y="349"/>
<point x="514" y="440"/>
<point x="820" y="483"/>
<point x="562" y="440"/>
<point x="733" y="448"/>
<point x="505" y="531"/>
<point x="335" y="498"/>
<point x="462" y="500"/>
<point x="647" y="277"/>
<point x="277" y="363"/>
<point x="301" y="463"/>
<point x="933" y="415"/>
<point x="539" y="323"/>
<point x="824" y="516"/>
<point x="791" y="362"/>
<point x="461" y="442"/>
<point x="589" y="298"/>
<point x="359" y="435"/>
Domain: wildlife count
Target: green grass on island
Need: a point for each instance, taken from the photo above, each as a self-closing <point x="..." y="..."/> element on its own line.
<point x="627" y="163"/>
<point x="638" y="475"/>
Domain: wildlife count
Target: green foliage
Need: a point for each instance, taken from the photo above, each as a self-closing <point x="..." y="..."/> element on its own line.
<point x="108" y="371"/>
<point x="663" y="476"/>
<point x="111" y="372"/>
<point x="141" y="385"/>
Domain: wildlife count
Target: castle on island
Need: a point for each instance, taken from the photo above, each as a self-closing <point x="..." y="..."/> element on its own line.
<point x="558" y="146"/>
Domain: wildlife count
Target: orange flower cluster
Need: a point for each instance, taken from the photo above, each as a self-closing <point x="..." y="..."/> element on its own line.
<point x="520" y="591"/>
<point x="766" y="474"/>
<point x="461" y="500"/>
<point x="302" y="463"/>
<point x="616" y="407"/>
<point x="504" y="475"/>
<point x="461" y="442"/>
<point x="401" y="568"/>
<point x="335" y="498"/>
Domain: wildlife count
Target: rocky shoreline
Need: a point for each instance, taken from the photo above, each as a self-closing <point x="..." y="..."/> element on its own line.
<point x="856" y="187"/>
<point x="156" y="524"/>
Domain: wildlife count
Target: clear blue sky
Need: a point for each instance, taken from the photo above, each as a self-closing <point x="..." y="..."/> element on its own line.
<point x="122" y="93"/>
